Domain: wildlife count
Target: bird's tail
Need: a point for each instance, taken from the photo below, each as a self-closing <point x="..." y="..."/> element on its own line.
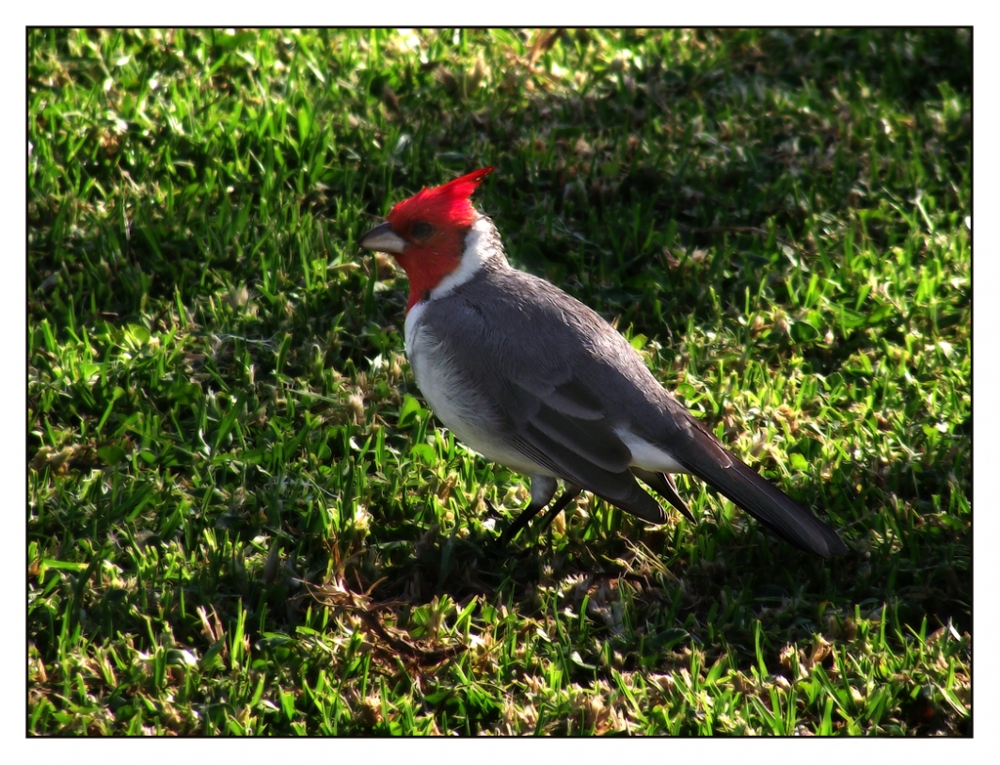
<point x="707" y="459"/>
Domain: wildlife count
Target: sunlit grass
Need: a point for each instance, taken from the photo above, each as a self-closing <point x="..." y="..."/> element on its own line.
<point x="242" y="519"/>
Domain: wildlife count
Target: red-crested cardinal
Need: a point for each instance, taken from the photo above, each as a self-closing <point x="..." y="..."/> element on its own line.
<point x="533" y="379"/>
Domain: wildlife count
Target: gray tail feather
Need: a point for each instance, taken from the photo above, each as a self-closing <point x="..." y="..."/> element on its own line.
<point x="663" y="484"/>
<point x="768" y="504"/>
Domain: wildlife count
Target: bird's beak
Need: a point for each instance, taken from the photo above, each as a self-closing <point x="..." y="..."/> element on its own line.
<point x="383" y="239"/>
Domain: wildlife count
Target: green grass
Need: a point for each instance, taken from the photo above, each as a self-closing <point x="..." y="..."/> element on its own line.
<point x="242" y="520"/>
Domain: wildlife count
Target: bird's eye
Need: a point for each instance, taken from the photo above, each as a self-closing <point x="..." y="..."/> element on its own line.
<point x="422" y="230"/>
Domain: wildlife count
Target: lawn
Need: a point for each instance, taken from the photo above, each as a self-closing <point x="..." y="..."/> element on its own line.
<point x="243" y="520"/>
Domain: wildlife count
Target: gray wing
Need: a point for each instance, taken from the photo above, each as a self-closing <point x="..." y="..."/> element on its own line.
<point x="579" y="449"/>
<point x="543" y="408"/>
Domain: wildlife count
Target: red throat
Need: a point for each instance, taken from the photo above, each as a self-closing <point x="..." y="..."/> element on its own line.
<point x="449" y="211"/>
<point x="425" y="270"/>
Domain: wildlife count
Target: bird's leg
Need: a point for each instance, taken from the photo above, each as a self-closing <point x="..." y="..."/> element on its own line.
<point x="570" y="493"/>
<point x="543" y="488"/>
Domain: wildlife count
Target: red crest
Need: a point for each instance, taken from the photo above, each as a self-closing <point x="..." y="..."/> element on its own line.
<point x="446" y="205"/>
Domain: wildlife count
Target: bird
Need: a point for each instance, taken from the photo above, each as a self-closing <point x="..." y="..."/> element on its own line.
<point x="531" y="378"/>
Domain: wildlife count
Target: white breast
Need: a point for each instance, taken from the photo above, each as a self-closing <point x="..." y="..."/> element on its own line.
<point x="464" y="409"/>
<point x="440" y="381"/>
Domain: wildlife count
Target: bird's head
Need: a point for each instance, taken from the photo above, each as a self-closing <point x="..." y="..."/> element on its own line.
<point x="426" y="233"/>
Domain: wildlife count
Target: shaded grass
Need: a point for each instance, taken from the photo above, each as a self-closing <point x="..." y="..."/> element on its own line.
<point x="241" y="517"/>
